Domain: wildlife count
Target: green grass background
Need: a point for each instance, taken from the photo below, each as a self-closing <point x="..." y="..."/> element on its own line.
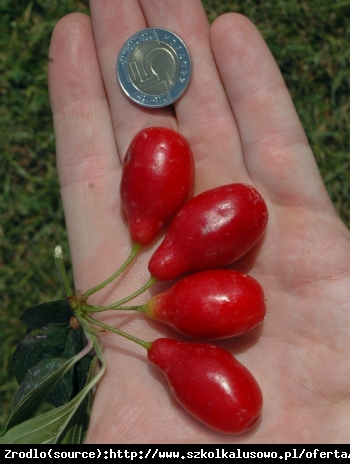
<point x="310" y="40"/>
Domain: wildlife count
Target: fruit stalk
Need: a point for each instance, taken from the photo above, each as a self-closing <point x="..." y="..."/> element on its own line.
<point x="135" y="249"/>
<point x="86" y="308"/>
<point x="138" y="292"/>
<point x="100" y="324"/>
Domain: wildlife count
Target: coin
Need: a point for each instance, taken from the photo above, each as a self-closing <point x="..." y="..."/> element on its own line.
<point x="154" y="67"/>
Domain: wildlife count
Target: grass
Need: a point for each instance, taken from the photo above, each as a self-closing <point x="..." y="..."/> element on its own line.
<point x="309" y="41"/>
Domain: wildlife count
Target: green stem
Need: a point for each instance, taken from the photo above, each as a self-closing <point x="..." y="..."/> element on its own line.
<point x="86" y="350"/>
<point x="91" y="320"/>
<point x="138" y="292"/>
<point x="86" y="308"/>
<point x="67" y="289"/>
<point x="140" y="308"/>
<point x="98" y="351"/>
<point x="135" y="249"/>
<point x="91" y="336"/>
<point x="103" y="365"/>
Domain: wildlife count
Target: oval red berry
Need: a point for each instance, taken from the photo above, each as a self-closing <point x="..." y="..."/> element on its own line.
<point x="157" y="179"/>
<point x="211" y="230"/>
<point x="212" y="304"/>
<point x="209" y="383"/>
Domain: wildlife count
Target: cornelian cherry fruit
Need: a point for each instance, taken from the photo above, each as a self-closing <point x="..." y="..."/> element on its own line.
<point x="157" y="179"/>
<point x="211" y="304"/>
<point x="209" y="383"/>
<point x="211" y="230"/>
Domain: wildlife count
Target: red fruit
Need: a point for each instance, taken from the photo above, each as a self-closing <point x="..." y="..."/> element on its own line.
<point x="209" y="383"/>
<point x="212" y="230"/>
<point x="210" y="304"/>
<point x="157" y="179"/>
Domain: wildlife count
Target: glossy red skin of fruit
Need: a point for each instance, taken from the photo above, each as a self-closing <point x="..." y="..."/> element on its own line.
<point x="157" y="179"/>
<point x="210" y="304"/>
<point x="209" y="383"/>
<point x="211" y="230"/>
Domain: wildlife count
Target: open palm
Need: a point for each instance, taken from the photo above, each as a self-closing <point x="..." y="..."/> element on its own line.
<point x="241" y="124"/>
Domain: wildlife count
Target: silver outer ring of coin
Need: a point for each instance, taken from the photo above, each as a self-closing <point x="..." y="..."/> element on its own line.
<point x="154" y="67"/>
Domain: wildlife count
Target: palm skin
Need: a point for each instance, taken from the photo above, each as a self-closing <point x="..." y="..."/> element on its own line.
<point x="241" y="124"/>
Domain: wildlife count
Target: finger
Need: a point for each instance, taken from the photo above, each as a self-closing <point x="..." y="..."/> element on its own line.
<point x="87" y="158"/>
<point x="203" y="113"/>
<point x="276" y="150"/>
<point x="113" y="23"/>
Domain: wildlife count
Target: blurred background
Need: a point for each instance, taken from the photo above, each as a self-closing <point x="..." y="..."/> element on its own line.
<point x="308" y="38"/>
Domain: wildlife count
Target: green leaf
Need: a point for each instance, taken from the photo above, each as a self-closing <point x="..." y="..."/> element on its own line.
<point x="69" y="350"/>
<point x="45" y="342"/>
<point x="79" y="339"/>
<point x="46" y="428"/>
<point x="75" y="431"/>
<point x="63" y="391"/>
<point x="27" y="406"/>
<point x="39" y="374"/>
<point x="52" y="341"/>
<point x="75" y="380"/>
<point x="60" y="425"/>
<point x="81" y="371"/>
<point x="46" y="313"/>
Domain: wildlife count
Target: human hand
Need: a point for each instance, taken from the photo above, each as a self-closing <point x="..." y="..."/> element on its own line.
<point x="241" y="124"/>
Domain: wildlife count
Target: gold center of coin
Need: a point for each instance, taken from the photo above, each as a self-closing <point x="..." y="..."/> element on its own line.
<point x="154" y="67"/>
